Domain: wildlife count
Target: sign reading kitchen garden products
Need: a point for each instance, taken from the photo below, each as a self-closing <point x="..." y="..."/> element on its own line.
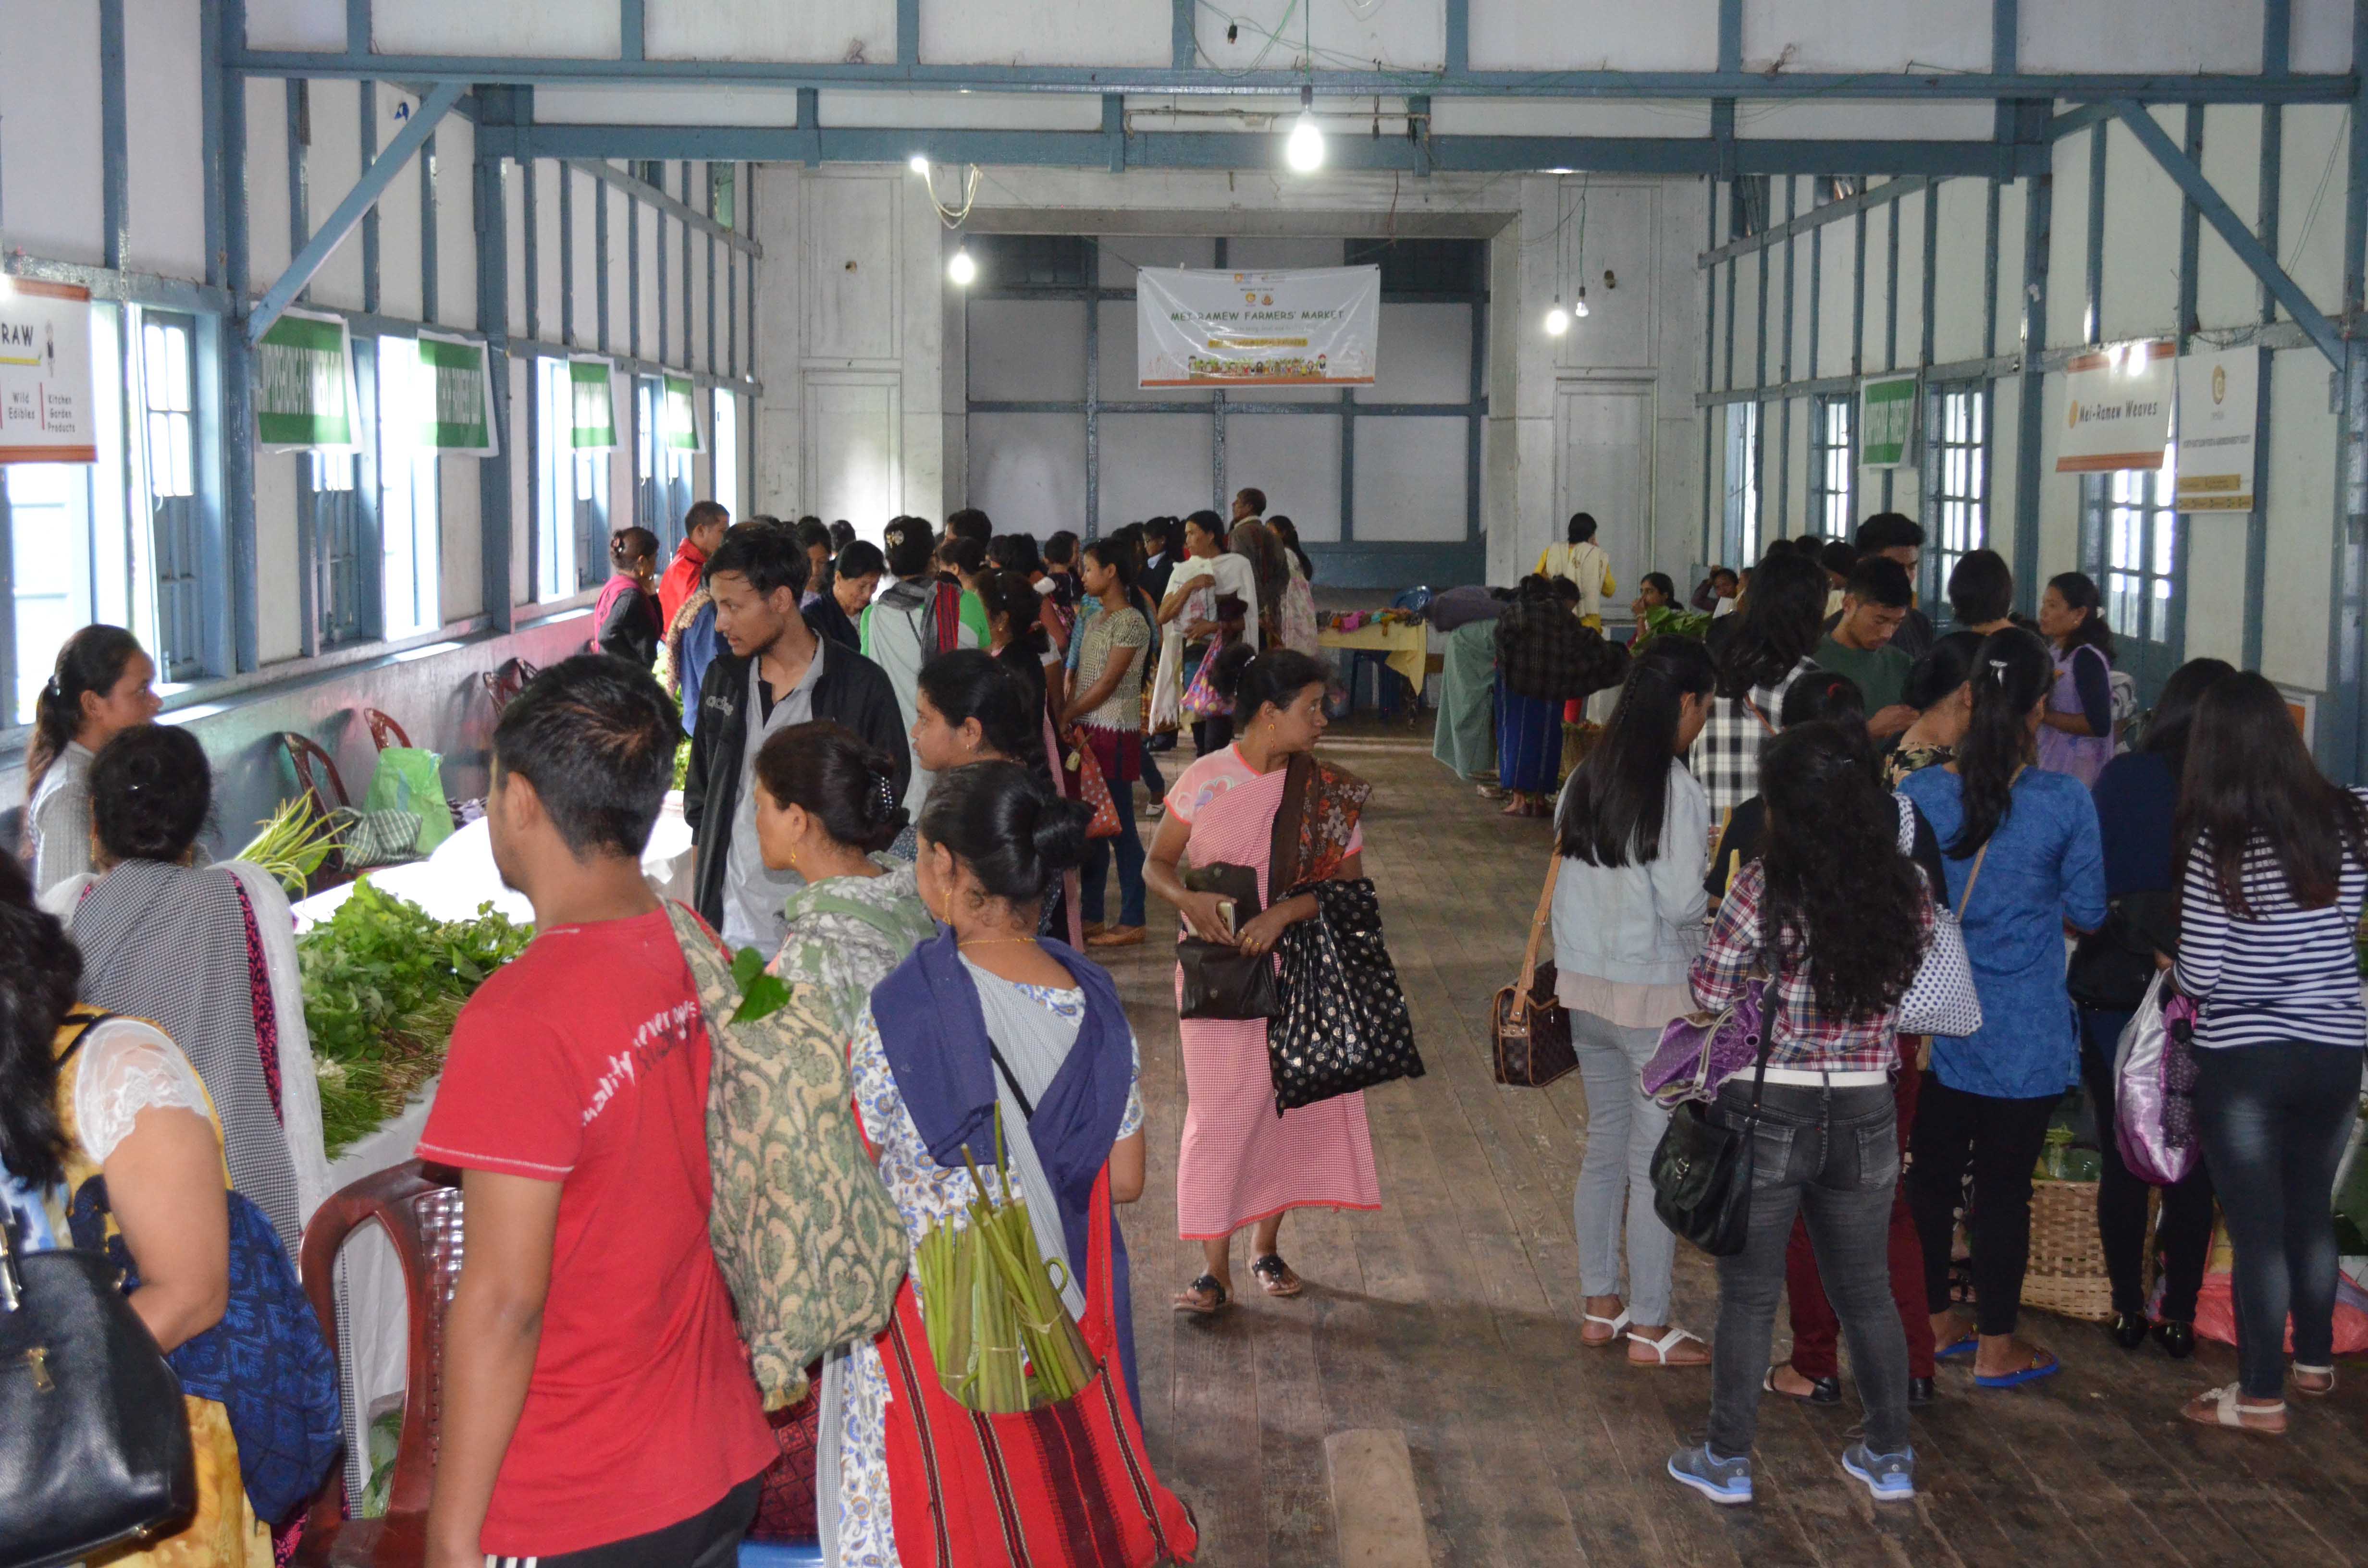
<point x="45" y="396"/>
<point x="1308" y="327"/>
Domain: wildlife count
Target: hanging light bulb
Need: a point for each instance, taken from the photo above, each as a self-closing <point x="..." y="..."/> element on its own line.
<point x="1578" y="306"/>
<point x="961" y="268"/>
<point x="1304" y="151"/>
<point x="918" y="162"/>
<point x="1558" y="320"/>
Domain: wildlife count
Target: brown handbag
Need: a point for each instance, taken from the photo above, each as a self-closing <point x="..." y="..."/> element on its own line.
<point x="1528" y="1028"/>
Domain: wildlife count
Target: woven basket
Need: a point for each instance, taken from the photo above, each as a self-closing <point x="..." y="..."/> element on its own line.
<point x="2066" y="1274"/>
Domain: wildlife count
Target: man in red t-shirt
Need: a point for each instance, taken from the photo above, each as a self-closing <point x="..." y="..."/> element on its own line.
<point x="702" y="530"/>
<point x="598" y="1411"/>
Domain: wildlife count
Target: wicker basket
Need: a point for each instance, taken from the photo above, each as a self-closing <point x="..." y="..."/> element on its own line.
<point x="2066" y="1274"/>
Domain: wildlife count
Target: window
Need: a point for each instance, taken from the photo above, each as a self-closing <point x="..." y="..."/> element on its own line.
<point x="1032" y="261"/>
<point x="1958" y="444"/>
<point x="1743" y="480"/>
<point x="661" y="470"/>
<point x="1833" y="465"/>
<point x="724" y="451"/>
<point x="341" y="547"/>
<point x="168" y="436"/>
<point x="2141" y="550"/>
<point x="571" y="494"/>
<point x="45" y="509"/>
<point x="409" y="498"/>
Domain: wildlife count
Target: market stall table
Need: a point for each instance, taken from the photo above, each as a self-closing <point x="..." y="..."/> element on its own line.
<point x="1404" y="644"/>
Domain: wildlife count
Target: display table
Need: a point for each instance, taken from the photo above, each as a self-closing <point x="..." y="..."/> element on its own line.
<point x="1407" y="644"/>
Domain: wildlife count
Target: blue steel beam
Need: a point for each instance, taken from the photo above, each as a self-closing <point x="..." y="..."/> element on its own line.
<point x="2214" y="209"/>
<point x="366" y="190"/>
<point x="1247" y="150"/>
<point x="906" y="75"/>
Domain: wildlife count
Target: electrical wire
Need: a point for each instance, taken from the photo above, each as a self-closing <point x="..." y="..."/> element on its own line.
<point x="950" y="217"/>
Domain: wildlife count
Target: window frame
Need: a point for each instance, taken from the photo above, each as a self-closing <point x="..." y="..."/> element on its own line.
<point x="409" y="499"/>
<point x="1834" y="511"/>
<point x="1957" y="490"/>
<point x="2135" y="548"/>
<point x="1742" y="501"/>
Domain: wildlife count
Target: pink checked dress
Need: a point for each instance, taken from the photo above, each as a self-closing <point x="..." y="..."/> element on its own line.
<point x="1240" y="1161"/>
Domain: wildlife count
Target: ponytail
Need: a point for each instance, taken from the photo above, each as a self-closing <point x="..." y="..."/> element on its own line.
<point x="92" y="661"/>
<point x="2011" y="673"/>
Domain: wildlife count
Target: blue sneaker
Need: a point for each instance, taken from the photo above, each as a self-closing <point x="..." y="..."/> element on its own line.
<point x="1720" y="1480"/>
<point x="1890" y="1477"/>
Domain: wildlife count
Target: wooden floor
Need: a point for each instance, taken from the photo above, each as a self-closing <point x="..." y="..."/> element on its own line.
<point x="1452" y="1316"/>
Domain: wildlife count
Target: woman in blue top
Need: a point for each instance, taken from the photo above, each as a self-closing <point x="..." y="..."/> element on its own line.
<point x="2024" y="858"/>
<point x="2137" y="808"/>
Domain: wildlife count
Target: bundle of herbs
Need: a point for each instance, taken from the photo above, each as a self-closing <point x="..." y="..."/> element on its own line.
<point x="383" y="986"/>
<point x="292" y="844"/>
<point x="1003" y="1340"/>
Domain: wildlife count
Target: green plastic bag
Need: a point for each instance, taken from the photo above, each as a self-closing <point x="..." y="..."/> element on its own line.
<point x="409" y="780"/>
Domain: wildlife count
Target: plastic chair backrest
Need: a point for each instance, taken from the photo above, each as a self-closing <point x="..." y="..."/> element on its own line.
<point x="384" y="730"/>
<point x="421" y="1214"/>
<point x="506" y="682"/>
<point x="302" y="753"/>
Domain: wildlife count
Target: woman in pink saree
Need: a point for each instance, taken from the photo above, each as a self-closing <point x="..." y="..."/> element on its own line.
<point x="1242" y="1165"/>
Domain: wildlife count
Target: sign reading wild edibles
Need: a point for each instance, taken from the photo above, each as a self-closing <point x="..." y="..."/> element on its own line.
<point x="1309" y="326"/>
<point x="304" y="385"/>
<point x="45" y="399"/>
<point x="2218" y="396"/>
<point x="460" y="420"/>
<point x="2116" y="408"/>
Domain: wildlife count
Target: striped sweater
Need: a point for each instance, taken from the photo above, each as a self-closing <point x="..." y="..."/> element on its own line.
<point x="2289" y="974"/>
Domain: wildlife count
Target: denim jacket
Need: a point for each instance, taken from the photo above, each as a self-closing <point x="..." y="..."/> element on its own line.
<point x="1639" y="925"/>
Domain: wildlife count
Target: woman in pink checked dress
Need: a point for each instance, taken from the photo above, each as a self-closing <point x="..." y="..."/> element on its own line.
<point x="1242" y="1165"/>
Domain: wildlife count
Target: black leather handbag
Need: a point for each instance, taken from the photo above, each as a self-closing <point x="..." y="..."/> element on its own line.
<point x="93" y="1437"/>
<point x="1220" y="980"/>
<point x="1702" y="1172"/>
<point x="2114" y="966"/>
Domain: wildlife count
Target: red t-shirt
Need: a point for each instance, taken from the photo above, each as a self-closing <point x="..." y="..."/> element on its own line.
<point x="585" y="1063"/>
<point x="681" y="581"/>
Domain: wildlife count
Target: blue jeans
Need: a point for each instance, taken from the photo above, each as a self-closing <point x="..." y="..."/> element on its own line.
<point x="1130" y="865"/>
<point x="1833" y="1156"/>
<point x="2273" y="1120"/>
<point x="1615" y="1175"/>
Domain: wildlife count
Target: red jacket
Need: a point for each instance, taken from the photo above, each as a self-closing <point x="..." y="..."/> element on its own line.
<point x="681" y="580"/>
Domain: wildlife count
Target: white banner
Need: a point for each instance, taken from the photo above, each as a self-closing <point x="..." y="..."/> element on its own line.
<point x="1309" y="326"/>
<point x="2116" y="408"/>
<point x="2218" y="396"/>
<point x="45" y="397"/>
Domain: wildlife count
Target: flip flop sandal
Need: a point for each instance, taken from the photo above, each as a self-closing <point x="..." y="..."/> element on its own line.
<point x="2046" y="1367"/>
<point x="2314" y="1391"/>
<point x="1274" y="1276"/>
<point x="1616" y="1330"/>
<point x="1662" y="1346"/>
<point x="1959" y="1349"/>
<point x="2225" y="1411"/>
<point x="1206" y="1285"/>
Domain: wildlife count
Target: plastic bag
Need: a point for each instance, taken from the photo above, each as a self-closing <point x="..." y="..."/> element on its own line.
<point x="410" y="780"/>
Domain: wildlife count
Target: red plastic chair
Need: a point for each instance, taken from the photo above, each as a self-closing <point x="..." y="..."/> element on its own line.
<point x="421" y="1213"/>
<point x="384" y="730"/>
<point x="304" y="752"/>
<point x="506" y="682"/>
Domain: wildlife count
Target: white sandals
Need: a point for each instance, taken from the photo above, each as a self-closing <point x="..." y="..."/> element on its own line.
<point x="2225" y="1411"/>
<point x="1662" y="1346"/>
<point x="1616" y="1330"/>
<point x="2321" y="1384"/>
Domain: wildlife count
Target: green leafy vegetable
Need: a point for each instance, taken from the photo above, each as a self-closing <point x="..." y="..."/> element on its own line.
<point x="294" y="842"/>
<point x="761" y="994"/>
<point x="383" y="986"/>
<point x="1674" y="621"/>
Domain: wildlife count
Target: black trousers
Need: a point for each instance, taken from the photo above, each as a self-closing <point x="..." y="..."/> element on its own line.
<point x="2000" y="1140"/>
<point x="707" y="1539"/>
<point x="2184" y="1229"/>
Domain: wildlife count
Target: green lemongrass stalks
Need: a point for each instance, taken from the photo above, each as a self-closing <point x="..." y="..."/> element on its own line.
<point x="293" y="843"/>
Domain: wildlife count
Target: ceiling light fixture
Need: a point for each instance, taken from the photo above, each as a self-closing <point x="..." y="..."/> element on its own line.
<point x="1305" y="149"/>
<point x="1578" y="306"/>
<point x="961" y="268"/>
<point x="1558" y="320"/>
<point x="918" y="162"/>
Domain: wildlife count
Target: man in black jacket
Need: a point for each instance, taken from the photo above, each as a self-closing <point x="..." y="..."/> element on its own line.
<point x="773" y="661"/>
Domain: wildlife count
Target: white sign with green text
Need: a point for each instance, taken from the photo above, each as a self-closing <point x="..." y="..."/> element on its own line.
<point x="304" y="385"/>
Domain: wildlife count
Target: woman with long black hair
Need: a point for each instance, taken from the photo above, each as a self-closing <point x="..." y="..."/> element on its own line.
<point x="1775" y="634"/>
<point x="103" y="683"/>
<point x="2137" y="808"/>
<point x="1628" y="905"/>
<point x="1105" y="716"/>
<point x="2275" y="874"/>
<point x="2077" y="736"/>
<point x="1840" y="918"/>
<point x="2024" y="859"/>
